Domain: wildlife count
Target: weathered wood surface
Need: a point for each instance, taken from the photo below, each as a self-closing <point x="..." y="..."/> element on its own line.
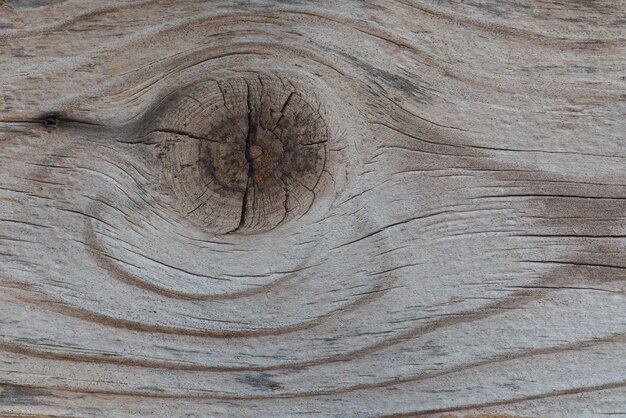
<point x="450" y="240"/>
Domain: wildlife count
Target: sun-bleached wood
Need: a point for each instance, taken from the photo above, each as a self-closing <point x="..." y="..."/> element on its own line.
<point x="452" y="241"/>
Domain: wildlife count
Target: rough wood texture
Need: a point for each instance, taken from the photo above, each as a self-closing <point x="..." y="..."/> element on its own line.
<point x="329" y="208"/>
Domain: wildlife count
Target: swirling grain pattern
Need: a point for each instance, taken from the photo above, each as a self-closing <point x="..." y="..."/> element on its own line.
<point x="286" y="208"/>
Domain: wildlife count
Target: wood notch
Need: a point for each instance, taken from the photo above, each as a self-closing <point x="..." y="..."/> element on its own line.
<point x="241" y="155"/>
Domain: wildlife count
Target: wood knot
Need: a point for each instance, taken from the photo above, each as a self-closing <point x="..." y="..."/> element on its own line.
<point x="240" y="155"/>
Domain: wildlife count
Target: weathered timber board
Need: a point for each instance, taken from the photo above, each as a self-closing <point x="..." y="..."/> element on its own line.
<point x="329" y="208"/>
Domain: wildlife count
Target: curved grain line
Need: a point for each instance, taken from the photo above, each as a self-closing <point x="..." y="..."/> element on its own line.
<point x="524" y="296"/>
<point x="576" y="346"/>
<point x="238" y="49"/>
<point x="618" y="338"/>
<point x="497" y="29"/>
<point x="563" y="392"/>
<point x="72" y="20"/>
<point x="374" y="293"/>
<point x="106" y="262"/>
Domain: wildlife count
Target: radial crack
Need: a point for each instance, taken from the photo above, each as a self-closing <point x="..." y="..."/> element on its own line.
<point x="250" y="176"/>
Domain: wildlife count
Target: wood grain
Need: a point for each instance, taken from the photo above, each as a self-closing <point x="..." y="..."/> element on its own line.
<point x="284" y="208"/>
